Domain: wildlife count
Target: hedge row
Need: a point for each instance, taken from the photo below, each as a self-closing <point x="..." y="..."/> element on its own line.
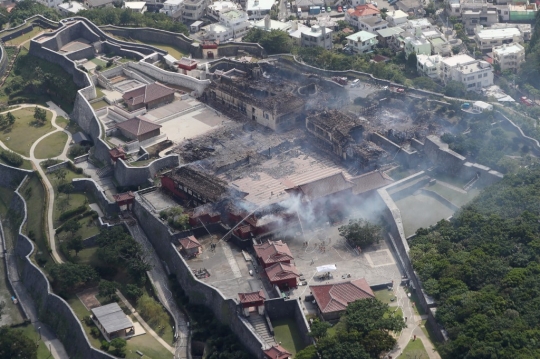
<point x="72" y="212"/>
<point x="11" y="158"/>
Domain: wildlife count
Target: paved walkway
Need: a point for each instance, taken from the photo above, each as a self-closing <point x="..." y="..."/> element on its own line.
<point x="144" y="324"/>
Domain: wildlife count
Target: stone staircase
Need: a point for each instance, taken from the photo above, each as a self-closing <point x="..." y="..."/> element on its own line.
<point x="105" y="171"/>
<point x="261" y="328"/>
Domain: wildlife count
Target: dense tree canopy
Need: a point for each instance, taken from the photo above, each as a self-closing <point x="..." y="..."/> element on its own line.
<point x="27" y="8"/>
<point x="483" y="270"/>
<point x="15" y="345"/>
<point x="274" y="42"/>
<point x="69" y="276"/>
<point x="361" y="233"/>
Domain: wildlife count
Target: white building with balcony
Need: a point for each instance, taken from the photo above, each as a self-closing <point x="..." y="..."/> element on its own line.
<point x="429" y="65"/>
<point x="417" y="45"/>
<point x="193" y="10"/>
<point x="362" y="41"/>
<point x="219" y="7"/>
<point x="172" y="8"/>
<point x="396" y="18"/>
<point x="487" y="38"/>
<point x="474" y="74"/>
<point x="316" y="36"/>
<point x="258" y="9"/>
<point x="509" y="57"/>
<point x="232" y="24"/>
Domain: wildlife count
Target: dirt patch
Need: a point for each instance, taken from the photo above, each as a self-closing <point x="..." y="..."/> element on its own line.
<point x="88" y="298"/>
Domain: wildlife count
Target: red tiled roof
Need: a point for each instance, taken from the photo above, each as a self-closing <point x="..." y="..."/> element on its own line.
<point x="336" y="296"/>
<point x="273" y="252"/>
<point x="277" y="352"/>
<point x="282" y="271"/>
<point x="187" y="63"/>
<point x="190" y="242"/>
<point x="120" y="197"/>
<point x="380" y="58"/>
<point x="146" y="93"/>
<point x="117" y="151"/>
<point x="251" y="297"/>
<point x="370" y="181"/>
<point x="138" y="126"/>
<point x="324" y="186"/>
<point x="364" y="10"/>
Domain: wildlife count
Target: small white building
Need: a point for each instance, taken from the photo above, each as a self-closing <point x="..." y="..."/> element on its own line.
<point x="258" y="9"/>
<point x="232" y="24"/>
<point x="509" y="57"/>
<point x="269" y="24"/>
<point x="136" y="6"/>
<point x="396" y="18"/>
<point x="193" y="10"/>
<point x="372" y="24"/>
<point x="429" y="65"/>
<point x="172" y="8"/>
<point x="474" y="74"/>
<point x="71" y="8"/>
<point x="482" y="106"/>
<point x="418" y="45"/>
<point x="317" y="36"/>
<point x="362" y="41"/>
<point x="487" y="38"/>
<point x="217" y="8"/>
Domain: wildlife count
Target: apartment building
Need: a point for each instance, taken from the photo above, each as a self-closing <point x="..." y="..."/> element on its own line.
<point x="193" y="10"/>
<point x="232" y="24"/>
<point x="396" y="18"/>
<point x="372" y="24"/>
<point x="258" y="9"/>
<point x="215" y="9"/>
<point x="487" y="38"/>
<point x="429" y="65"/>
<point x="509" y="57"/>
<point x="474" y="74"/>
<point x="311" y="36"/>
<point x="362" y="41"/>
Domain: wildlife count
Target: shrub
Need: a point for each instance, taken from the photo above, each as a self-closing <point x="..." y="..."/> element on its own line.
<point x="94" y="332"/>
<point x="99" y="68"/>
<point x="88" y="321"/>
<point x="133" y="292"/>
<point x="72" y="212"/>
<point x="11" y="158"/>
<point x="77" y="150"/>
<point x="105" y="345"/>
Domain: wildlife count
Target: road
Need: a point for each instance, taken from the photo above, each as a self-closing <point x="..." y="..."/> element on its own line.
<point x="160" y="281"/>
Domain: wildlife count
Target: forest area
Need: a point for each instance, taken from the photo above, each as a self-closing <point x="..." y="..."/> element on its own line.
<point x="483" y="270"/>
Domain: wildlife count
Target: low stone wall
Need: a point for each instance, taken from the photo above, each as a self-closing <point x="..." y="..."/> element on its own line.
<point x="23" y="29"/>
<point x="510" y="125"/>
<point x="231" y="49"/>
<point x="51" y="309"/>
<point x="226" y="311"/>
<point x="11" y="177"/>
<point x="108" y="207"/>
<point x="280" y="308"/>
<point x="138" y="176"/>
<point x="3" y="60"/>
<point x="57" y="166"/>
<point x="439" y="198"/>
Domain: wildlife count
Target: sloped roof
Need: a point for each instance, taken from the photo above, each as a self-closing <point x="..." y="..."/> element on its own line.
<point x="120" y="197"/>
<point x="282" y="271"/>
<point x="138" y="126"/>
<point x="273" y="252"/>
<point x="324" y="186"/>
<point x="277" y="352"/>
<point x="370" y="181"/>
<point x="112" y="318"/>
<point x="364" y="10"/>
<point x="146" y="93"/>
<point x="190" y="242"/>
<point x="251" y="297"/>
<point x="79" y="137"/>
<point x="337" y="296"/>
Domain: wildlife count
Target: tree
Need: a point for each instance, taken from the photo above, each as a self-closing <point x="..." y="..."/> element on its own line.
<point x="425" y="83"/>
<point x="455" y="89"/>
<point x="60" y="175"/>
<point x="68" y="189"/>
<point x="40" y="115"/>
<point x="15" y="344"/>
<point x="107" y="289"/>
<point x="361" y="233"/>
<point x="76" y="244"/>
<point x="274" y="41"/>
<point x="133" y="292"/>
<point x="72" y="226"/>
<point x="366" y="315"/>
<point x="319" y="329"/>
<point x="152" y="312"/>
<point x="10" y="119"/>
<point x="69" y="276"/>
<point x="309" y="352"/>
<point x="2" y="306"/>
<point x="119" y="345"/>
<point x="411" y="62"/>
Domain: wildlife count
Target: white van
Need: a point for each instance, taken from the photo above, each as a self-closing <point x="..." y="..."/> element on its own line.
<point x="299" y="13"/>
<point x="355" y="83"/>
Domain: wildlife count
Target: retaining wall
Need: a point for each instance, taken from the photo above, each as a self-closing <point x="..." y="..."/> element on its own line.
<point x="109" y="208"/>
<point x="57" y="166"/>
<point x="137" y="176"/>
<point x="3" y="60"/>
<point x="10" y="177"/>
<point x="280" y="308"/>
<point x="226" y="311"/>
<point x="51" y="309"/>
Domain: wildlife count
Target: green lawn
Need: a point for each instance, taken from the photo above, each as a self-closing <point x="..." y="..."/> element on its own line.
<point x="22" y="134"/>
<point x="384" y="295"/>
<point x="31" y="332"/>
<point x="98" y="62"/>
<point x="286" y="332"/>
<point x="414" y="350"/>
<point x="99" y="91"/>
<point x="27" y="165"/>
<point x="35" y="197"/>
<point x="99" y="104"/>
<point x="417" y="307"/>
<point x="62" y="122"/>
<point x="51" y="146"/>
<point x="19" y="40"/>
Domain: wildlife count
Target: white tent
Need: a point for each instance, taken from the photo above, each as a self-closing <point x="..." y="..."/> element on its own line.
<point x="326" y="268"/>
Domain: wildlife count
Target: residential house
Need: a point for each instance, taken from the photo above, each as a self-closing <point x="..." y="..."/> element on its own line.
<point x="414" y="7"/>
<point x="487" y="38"/>
<point x="268" y="24"/>
<point x="417" y="45"/>
<point x="50" y="3"/>
<point x="429" y="65"/>
<point x="332" y="299"/>
<point x="387" y="36"/>
<point x="316" y="36"/>
<point x="91" y="4"/>
<point x="232" y="24"/>
<point x="149" y="96"/>
<point x="215" y="9"/>
<point x="474" y="74"/>
<point x="525" y="29"/>
<point x="193" y="10"/>
<point x="352" y="16"/>
<point x="509" y="57"/>
<point x="172" y="8"/>
<point x="362" y="41"/>
<point x="139" y="129"/>
<point x="372" y="24"/>
<point x="258" y="9"/>
<point x="523" y="12"/>
<point x="474" y="14"/>
<point x="304" y="5"/>
<point x="136" y="6"/>
<point x="396" y="18"/>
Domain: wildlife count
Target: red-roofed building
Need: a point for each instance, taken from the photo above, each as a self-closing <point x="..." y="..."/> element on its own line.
<point x="186" y="64"/>
<point x="116" y="153"/>
<point x="149" y="96"/>
<point x="272" y="252"/>
<point x="352" y="16"/>
<point x="251" y="300"/>
<point x="277" y="352"/>
<point x="139" y="129"/>
<point x="284" y="275"/>
<point x="333" y="299"/>
<point x="124" y="199"/>
<point x="190" y="246"/>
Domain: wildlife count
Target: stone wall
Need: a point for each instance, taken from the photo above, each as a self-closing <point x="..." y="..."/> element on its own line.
<point x="11" y="176"/>
<point x="51" y="309"/>
<point x="232" y="49"/>
<point x="57" y="166"/>
<point x="109" y="208"/>
<point x="511" y="126"/>
<point x="137" y="176"/>
<point x="440" y="155"/>
<point x="3" y="60"/>
<point x="280" y="308"/>
<point x="174" y="78"/>
<point x="226" y="311"/>
<point x="23" y="29"/>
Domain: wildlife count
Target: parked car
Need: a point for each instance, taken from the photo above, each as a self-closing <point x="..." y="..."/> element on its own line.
<point x="344" y="8"/>
<point x="322" y="9"/>
<point x="328" y="9"/>
<point x="339" y="9"/>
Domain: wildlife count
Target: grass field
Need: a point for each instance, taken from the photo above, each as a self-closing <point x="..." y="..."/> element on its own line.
<point x="421" y="211"/>
<point x="34" y="195"/>
<point x="19" y="40"/>
<point x="286" y="332"/>
<point x="99" y="104"/>
<point x="62" y="122"/>
<point x="23" y="134"/>
<point x="5" y="198"/>
<point x="384" y="295"/>
<point x="99" y="62"/>
<point x="414" y="350"/>
<point x="27" y="165"/>
<point x="51" y="146"/>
